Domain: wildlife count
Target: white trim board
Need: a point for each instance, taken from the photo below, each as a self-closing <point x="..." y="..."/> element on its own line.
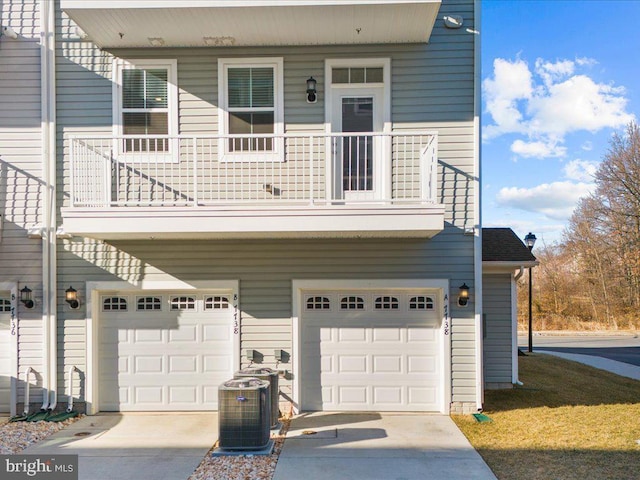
<point x="13" y="344"/>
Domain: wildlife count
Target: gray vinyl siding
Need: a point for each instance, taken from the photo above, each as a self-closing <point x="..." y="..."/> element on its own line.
<point x="432" y="89"/>
<point x="21" y="193"/>
<point x="496" y="301"/>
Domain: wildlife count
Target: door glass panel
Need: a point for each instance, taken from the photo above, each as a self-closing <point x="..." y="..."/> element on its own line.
<point x="357" y="150"/>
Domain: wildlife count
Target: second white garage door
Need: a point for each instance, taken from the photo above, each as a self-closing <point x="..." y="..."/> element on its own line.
<point x="164" y="351"/>
<point x="371" y="351"/>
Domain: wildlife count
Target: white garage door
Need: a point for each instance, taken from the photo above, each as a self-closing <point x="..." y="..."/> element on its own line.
<point x="164" y="351"/>
<point x="372" y="350"/>
<point x="5" y="351"/>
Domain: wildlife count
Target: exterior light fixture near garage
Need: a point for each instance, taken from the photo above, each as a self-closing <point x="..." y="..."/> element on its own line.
<point x="26" y="298"/>
<point x="71" y="297"/>
<point x="463" y="297"/>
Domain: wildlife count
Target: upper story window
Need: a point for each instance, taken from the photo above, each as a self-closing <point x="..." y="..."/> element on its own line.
<point x="145" y="105"/>
<point x="251" y="108"/>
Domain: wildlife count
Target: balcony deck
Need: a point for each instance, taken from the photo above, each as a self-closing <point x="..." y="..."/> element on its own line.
<point x="263" y="186"/>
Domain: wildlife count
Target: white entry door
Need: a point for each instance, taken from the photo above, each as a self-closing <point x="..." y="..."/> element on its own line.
<point x="357" y="157"/>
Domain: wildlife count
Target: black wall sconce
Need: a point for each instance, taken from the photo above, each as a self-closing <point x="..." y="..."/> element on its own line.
<point x="463" y="297"/>
<point x="25" y="297"/>
<point x="312" y="96"/>
<point x="71" y="297"/>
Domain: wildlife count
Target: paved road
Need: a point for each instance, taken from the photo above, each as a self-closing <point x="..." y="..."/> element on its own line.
<point x="621" y="348"/>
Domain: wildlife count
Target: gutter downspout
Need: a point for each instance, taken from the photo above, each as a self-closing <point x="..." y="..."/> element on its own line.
<point x="515" y="369"/>
<point x="49" y="262"/>
<point x="477" y="210"/>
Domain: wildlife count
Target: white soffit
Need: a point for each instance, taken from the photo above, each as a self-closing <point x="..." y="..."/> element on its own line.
<point x="201" y="23"/>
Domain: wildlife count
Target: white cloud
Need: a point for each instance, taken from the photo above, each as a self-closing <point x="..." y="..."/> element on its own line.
<point x="587" y="146"/>
<point x="511" y="83"/>
<point x="538" y="149"/>
<point x="546" y="103"/>
<point x="578" y="103"/>
<point x="581" y="170"/>
<point x="554" y="200"/>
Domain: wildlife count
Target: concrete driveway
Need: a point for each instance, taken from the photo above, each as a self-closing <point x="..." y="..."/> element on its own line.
<point x="135" y="446"/>
<point x="378" y="446"/>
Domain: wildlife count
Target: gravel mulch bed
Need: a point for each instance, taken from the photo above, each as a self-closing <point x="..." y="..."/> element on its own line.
<point x="242" y="467"/>
<point x="15" y="437"/>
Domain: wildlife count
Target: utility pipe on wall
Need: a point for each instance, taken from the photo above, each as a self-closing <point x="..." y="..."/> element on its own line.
<point x="49" y="261"/>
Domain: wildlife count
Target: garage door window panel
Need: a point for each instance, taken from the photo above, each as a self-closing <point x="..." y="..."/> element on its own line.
<point x="216" y="303"/>
<point x="5" y="305"/>
<point x="387" y="303"/>
<point x="149" y="303"/>
<point x="111" y="304"/>
<point x="352" y="303"/>
<point x="183" y="303"/>
<point x="421" y="303"/>
<point x="318" y="303"/>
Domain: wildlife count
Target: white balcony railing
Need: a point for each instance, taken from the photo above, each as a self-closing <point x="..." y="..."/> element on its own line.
<point x="260" y="170"/>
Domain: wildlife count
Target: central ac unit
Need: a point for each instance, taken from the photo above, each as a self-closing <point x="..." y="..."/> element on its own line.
<point x="244" y="414"/>
<point x="272" y="377"/>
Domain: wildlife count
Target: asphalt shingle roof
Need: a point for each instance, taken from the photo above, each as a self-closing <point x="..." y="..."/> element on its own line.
<point x="502" y="245"/>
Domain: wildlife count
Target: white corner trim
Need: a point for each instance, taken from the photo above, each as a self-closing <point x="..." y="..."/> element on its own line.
<point x="440" y="285"/>
<point x="13" y="344"/>
<point x="95" y="289"/>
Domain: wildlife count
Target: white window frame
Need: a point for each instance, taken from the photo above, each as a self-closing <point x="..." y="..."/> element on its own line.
<point x="119" y="65"/>
<point x="277" y="63"/>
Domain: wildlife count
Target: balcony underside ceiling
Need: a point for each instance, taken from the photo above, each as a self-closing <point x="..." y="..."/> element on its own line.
<point x="140" y="223"/>
<point x="215" y="23"/>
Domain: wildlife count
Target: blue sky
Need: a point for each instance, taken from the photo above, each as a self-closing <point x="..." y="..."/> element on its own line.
<point x="559" y="78"/>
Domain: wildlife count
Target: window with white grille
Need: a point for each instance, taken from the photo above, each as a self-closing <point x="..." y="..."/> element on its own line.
<point x="216" y="303"/>
<point x="149" y="303"/>
<point x="318" y="303"/>
<point x="387" y="303"/>
<point x="183" y="303"/>
<point x="421" y="303"/>
<point x="5" y="305"/>
<point x="110" y="304"/>
<point x="352" y="303"/>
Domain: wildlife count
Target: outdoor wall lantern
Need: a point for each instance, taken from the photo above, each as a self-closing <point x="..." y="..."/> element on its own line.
<point x="25" y="297"/>
<point x="463" y="298"/>
<point x="71" y="297"/>
<point x="312" y="96"/>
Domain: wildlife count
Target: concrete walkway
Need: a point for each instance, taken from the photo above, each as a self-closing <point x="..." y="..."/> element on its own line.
<point x="619" y="368"/>
<point x="376" y="446"/>
<point x="135" y="446"/>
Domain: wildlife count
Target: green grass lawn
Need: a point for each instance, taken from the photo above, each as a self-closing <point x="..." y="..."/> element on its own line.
<point x="568" y="421"/>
